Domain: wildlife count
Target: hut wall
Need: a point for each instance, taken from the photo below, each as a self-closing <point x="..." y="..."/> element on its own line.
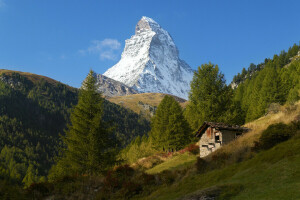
<point x="207" y="143"/>
<point x="228" y="136"/>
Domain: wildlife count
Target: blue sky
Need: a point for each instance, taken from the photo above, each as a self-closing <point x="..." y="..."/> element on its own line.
<point x="63" y="39"/>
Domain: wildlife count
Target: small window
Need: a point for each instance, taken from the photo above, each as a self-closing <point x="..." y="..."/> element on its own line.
<point x="217" y="137"/>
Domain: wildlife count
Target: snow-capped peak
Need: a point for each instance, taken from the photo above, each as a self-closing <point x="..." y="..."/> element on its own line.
<point x="150" y="62"/>
<point x="146" y="24"/>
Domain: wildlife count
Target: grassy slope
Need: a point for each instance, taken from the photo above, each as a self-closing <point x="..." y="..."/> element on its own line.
<point x="135" y="101"/>
<point x="176" y="162"/>
<point x="269" y="175"/>
<point x="273" y="174"/>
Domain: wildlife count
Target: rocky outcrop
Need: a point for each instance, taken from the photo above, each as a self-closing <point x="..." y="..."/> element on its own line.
<point x="109" y="87"/>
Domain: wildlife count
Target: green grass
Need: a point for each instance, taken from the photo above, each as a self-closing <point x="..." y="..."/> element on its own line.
<point x="178" y="161"/>
<point x="272" y="174"/>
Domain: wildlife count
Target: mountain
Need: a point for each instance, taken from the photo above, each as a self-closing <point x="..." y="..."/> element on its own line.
<point x="110" y="87"/>
<point x="150" y="62"/>
<point x="34" y="111"/>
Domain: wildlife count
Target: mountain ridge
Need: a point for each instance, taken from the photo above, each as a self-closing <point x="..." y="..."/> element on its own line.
<point x="110" y="87"/>
<point x="150" y="62"/>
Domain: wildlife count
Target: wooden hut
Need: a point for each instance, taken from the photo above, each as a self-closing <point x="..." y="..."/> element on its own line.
<point x="213" y="135"/>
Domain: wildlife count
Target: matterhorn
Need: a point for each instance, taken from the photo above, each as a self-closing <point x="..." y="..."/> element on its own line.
<point x="150" y="62"/>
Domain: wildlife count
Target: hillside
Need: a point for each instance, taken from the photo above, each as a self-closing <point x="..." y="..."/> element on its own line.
<point x="273" y="174"/>
<point x="274" y="81"/>
<point x="30" y="76"/>
<point x="268" y="175"/>
<point x="34" y="113"/>
<point x="235" y="171"/>
<point x="144" y="103"/>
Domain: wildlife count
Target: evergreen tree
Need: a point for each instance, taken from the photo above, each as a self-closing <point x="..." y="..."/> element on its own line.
<point x="208" y="97"/>
<point x="88" y="141"/>
<point x="169" y="128"/>
<point x="31" y="176"/>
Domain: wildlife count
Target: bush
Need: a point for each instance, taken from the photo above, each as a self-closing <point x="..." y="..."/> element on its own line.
<point x="116" y="177"/>
<point x="274" y="134"/>
<point x="273" y="108"/>
<point x="146" y="179"/>
<point x="167" y="177"/>
<point x="201" y="165"/>
<point x="130" y="189"/>
<point x="219" y="158"/>
<point x="193" y="148"/>
<point x="40" y="189"/>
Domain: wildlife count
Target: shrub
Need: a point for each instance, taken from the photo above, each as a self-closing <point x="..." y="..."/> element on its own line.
<point x="273" y="108"/>
<point x="167" y="177"/>
<point x="123" y="172"/>
<point x="219" y="158"/>
<point x="201" y="165"/>
<point x="40" y="189"/>
<point x="193" y="148"/>
<point x="116" y="177"/>
<point x="146" y="179"/>
<point x="130" y="189"/>
<point x="274" y="134"/>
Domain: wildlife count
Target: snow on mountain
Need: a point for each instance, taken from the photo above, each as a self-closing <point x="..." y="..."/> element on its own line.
<point x="150" y="62"/>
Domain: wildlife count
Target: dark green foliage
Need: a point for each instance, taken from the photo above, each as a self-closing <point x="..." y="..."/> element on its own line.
<point x="275" y="134"/>
<point x="201" y="165"/>
<point x="193" y="148"/>
<point x="127" y="124"/>
<point x="89" y="143"/>
<point x="116" y="178"/>
<point x="169" y="129"/>
<point x="34" y="113"/>
<point x="9" y="191"/>
<point x="124" y="182"/>
<point x="211" y="99"/>
<point x="206" y="97"/>
<point x="167" y="177"/>
<point x="138" y="148"/>
<point x="276" y="81"/>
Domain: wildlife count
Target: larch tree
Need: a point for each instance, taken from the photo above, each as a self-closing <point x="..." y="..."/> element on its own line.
<point x="169" y="128"/>
<point x="88" y="141"/>
<point x="208" y="98"/>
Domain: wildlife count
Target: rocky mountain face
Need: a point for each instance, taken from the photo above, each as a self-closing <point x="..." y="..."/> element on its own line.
<point x="110" y="87"/>
<point x="150" y="62"/>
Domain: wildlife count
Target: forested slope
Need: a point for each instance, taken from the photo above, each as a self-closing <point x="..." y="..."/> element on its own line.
<point x="34" y="111"/>
<point x="276" y="81"/>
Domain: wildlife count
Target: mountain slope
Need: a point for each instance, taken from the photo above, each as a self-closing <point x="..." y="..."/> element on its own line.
<point x="145" y="103"/>
<point x="35" y="110"/>
<point x="109" y="87"/>
<point x="268" y="174"/>
<point x="271" y="174"/>
<point x="150" y="62"/>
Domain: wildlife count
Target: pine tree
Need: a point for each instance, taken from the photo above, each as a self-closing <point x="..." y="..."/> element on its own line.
<point x="208" y="96"/>
<point x="30" y="177"/>
<point x="88" y="142"/>
<point x="169" y="128"/>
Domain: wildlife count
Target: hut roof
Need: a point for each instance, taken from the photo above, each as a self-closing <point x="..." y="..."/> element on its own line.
<point x="220" y="126"/>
